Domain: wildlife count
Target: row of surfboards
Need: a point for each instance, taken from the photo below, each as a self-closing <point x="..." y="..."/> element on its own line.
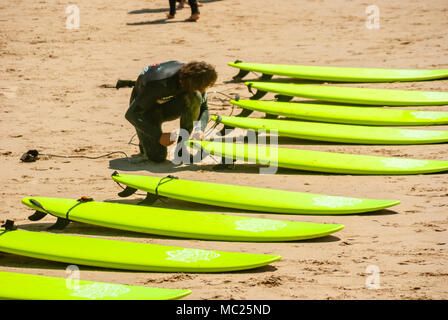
<point x="167" y="222"/>
<point x="359" y="124"/>
<point x="344" y="123"/>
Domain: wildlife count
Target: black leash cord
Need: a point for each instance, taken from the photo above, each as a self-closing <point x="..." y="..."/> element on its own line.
<point x="9" y="226"/>
<point x="80" y="201"/>
<point x="87" y="157"/>
<point x="162" y="181"/>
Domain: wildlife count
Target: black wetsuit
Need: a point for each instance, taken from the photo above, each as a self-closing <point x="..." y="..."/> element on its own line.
<point x="157" y="97"/>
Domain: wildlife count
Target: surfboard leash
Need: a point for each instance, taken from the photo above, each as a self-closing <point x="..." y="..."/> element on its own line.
<point x="164" y="180"/>
<point x="81" y="200"/>
<point x="61" y="223"/>
<point x="151" y="198"/>
<point x="9" y="226"/>
<point x="33" y="155"/>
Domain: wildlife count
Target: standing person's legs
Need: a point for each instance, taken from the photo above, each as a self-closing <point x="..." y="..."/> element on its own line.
<point x="181" y="4"/>
<point x="172" y="9"/>
<point x="194" y="10"/>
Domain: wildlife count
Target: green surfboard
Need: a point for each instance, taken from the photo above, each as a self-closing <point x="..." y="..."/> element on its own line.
<point x="182" y="223"/>
<point x="337" y="132"/>
<point x="320" y="161"/>
<point x="346" y="114"/>
<point x="251" y="198"/>
<point x="20" y="286"/>
<point x="126" y="255"/>
<point x="366" y="96"/>
<point x="343" y="74"/>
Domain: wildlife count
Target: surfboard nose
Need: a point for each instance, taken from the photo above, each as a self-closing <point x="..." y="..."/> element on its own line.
<point x="54" y="206"/>
<point x="27" y="201"/>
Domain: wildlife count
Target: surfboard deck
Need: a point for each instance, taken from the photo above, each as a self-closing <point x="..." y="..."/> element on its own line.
<point x="252" y="198"/>
<point x="363" y="96"/>
<point x="320" y="161"/>
<point x="183" y="223"/>
<point x="346" y="114"/>
<point x="332" y="132"/>
<point x="126" y="255"/>
<point x="343" y="74"/>
<point x="20" y="286"/>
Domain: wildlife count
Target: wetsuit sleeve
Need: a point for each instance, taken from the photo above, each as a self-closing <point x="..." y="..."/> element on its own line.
<point x="191" y="112"/>
<point x="187" y="119"/>
<point x="204" y="114"/>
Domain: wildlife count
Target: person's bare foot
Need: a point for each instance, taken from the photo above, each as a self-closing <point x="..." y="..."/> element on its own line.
<point x="169" y="16"/>
<point x="181" y="4"/>
<point x="193" y="17"/>
<point x="200" y="4"/>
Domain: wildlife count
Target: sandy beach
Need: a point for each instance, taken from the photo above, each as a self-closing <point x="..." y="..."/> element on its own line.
<point x="54" y="97"/>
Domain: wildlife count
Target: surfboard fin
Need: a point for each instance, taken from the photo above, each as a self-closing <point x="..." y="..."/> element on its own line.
<point x="283" y="98"/>
<point x="36" y="216"/>
<point x="257" y="95"/>
<point x="265" y="77"/>
<point x="127" y="192"/>
<point x="243" y="113"/>
<point x="60" y="224"/>
<point x="239" y="77"/>
<point x="241" y="74"/>
<point x="270" y="116"/>
<point x="149" y="200"/>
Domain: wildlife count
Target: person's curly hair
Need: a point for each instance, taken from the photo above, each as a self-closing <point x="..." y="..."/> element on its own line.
<point x="197" y="76"/>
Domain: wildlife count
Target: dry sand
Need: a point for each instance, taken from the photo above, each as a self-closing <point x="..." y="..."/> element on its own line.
<point x="51" y="100"/>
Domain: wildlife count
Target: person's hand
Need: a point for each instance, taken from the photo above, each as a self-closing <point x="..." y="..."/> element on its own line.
<point x="198" y="135"/>
<point x="165" y="139"/>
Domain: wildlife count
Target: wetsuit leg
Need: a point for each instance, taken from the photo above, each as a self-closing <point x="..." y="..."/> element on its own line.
<point x="172" y="7"/>
<point x="133" y="95"/>
<point x="194" y="6"/>
<point x="149" y="129"/>
<point x="149" y="123"/>
<point x="149" y="139"/>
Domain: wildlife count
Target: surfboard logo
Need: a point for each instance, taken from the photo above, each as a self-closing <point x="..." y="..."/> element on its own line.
<point x="335" y="202"/>
<point x="192" y="255"/>
<point x="435" y="95"/>
<point x="404" y="163"/>
<point x="430" y="115"/>
<point x="99" y="290"/>
<point x="259" y="225"/>
<point x="420" y="133"/>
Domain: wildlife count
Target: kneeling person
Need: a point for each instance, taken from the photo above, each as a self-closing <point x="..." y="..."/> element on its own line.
<point x="164" y="92"/>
